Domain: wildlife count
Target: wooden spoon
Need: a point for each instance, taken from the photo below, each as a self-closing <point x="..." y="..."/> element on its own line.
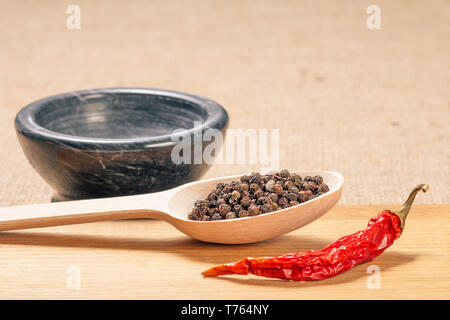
<point x="173" y="206"/>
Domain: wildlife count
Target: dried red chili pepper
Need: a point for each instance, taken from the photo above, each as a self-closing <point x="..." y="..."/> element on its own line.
<point x="337" y="257"/>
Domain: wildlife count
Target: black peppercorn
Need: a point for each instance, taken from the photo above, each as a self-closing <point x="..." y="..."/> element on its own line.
<point x="212" y="211"/>
<point x="245" y="179"/>
<point x="283" y="201"/>
<point x="255" y="179"/>
<point x="227" y="197"/>
<point x="192" y="216"/>
<point x="236" y="194"/>
<point x="318" y="179"/>
<point x="273" y="197"/>
<point x="202" y="211"/>
<point x="224" y="209"/>
<point x="198" y="203"/>
<point x="253" y="210"/>
<point x="285" y="173"/>
<point x="289" y="184"/>
<point x="238" y="208"/>
<point x="293" y="190"/>
<point x="243" y="213"/>
<point x="302" y="196"/>
<point x="269" y="185"/>
<point x="256" y="194"/>
<point x="233" y="200"/>
<point x="292" y="196"/>
<point x="255" y="187"/>
<point x="297" y="178"/>
<point x="323" y="188"/>
<point x="220" y="186"/>
<point x="213" y="204"/>
<point x="265" y="208"/>
<point x="212" y="196"/>
<point x="266" y="200"/>
<point x="259" y="194"/>
<point x="274" y="206"/>
<point x="220" y="202"/>
<point x="277" y="189"/>
<point x="216" y="217"/>
<point x="246" y="201"/>
<point x="230" y="215"/>
<point x="245" y="193"/>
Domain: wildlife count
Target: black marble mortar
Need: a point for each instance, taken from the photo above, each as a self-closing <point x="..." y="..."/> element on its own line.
<point x="114" y="142"/>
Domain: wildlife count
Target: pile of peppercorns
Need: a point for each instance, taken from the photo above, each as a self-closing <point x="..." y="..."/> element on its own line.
<point x="257" y="194"/>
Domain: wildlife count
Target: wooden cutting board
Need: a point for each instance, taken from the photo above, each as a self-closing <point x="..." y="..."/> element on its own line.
<point x="149" y="259"/>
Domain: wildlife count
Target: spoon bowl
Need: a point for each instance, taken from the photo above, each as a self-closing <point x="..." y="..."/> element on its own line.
<point x="173" y="206"/>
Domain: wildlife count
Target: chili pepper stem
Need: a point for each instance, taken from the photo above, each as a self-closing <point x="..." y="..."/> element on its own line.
<point x="403" y="212"/>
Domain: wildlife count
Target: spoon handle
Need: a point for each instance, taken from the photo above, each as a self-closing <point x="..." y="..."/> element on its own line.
<point x="83" y="211"/>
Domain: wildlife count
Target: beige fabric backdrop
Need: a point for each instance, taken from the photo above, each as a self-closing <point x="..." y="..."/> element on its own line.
<point x="373" y="105"/>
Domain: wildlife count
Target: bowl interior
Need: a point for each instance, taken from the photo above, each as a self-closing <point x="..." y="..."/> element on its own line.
<point x="118" y="115"/>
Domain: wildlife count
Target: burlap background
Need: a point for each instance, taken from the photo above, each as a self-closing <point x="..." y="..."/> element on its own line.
<point x="371" y="104"/>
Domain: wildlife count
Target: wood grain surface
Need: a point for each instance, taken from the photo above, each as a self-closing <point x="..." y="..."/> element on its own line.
<point x="150" y="259"/>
